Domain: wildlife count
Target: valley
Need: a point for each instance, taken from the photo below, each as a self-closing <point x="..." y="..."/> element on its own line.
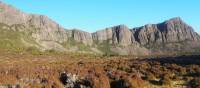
<point x="37" y="52"/>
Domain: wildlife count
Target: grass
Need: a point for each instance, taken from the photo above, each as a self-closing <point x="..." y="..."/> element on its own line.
<point x="72" y="43"/>
<point x="106" y="48"/>
<point x="12" y="40"/>
<point x="28" y="67"/>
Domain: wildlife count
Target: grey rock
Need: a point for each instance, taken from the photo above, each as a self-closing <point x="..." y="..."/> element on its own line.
<point x="178" y="30"/>
<point x="103" y="35"/>
<point x="170" y="31"/>
<point x="147" y="34"/>
<point x="122" y="35"/>
<point x="122" y="38"/>
<point x="115" y="35"/>
<point x="47" y="30"/>
<point x="82" y="37"/>
<point x="10" y="15"/>
<point x="41" y="27"/>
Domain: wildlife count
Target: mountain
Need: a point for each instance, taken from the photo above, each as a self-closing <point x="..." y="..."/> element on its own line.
<point x="23" y="31"/>
<point x="173" y="30"/>
<point x="171" y="35"/>
<point x="43" y="30"/>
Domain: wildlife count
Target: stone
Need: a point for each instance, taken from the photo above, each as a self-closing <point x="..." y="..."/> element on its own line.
<point x="82" y="37"/>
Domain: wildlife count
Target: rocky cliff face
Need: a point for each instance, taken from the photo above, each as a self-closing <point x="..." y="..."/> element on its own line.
<point x="173" y="34"/>
<point x="121" y="35"/>
<point x="10" y="15"/>
<point x="170" y="31"/>
<point x="40" y="27"/>
<point x="122" y="40"/>
<point x="46" y="29"/>
<point x="82" y="37"/>
<point x="116" y="35"/>
<point x="103" y="35"/>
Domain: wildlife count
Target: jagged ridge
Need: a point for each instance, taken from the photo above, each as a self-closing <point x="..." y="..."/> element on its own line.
<point x="171" y="35"/>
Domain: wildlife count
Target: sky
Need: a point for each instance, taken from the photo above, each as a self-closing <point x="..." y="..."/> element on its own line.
<point x="93" y="15"/>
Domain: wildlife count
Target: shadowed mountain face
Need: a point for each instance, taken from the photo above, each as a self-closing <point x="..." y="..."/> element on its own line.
<point x="171" y="36"/>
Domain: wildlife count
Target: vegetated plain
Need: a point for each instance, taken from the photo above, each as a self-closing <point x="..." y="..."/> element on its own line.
<point x="73" y="70"/>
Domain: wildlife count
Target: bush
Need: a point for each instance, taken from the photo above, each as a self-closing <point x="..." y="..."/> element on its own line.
<point x="182" y="71"/>
<point x="195" y="83"/>
<point x="150" y="76"/>
<point x="193" y="70"/>
<point x="135" y="82"/>
<point x="165" y="80"/>
<point x="33" y="50"/>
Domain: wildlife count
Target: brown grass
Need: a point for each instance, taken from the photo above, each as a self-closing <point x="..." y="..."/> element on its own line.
<point x="36" y="71"/>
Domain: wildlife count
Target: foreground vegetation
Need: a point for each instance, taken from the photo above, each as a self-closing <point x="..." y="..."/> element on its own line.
<point x="87" y="71"/>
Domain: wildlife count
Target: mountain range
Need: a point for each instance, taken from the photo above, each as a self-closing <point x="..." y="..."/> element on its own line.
<point x="24" y="31"/>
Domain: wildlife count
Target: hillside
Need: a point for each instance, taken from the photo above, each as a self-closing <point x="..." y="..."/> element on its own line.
<point x="38" y="32"/>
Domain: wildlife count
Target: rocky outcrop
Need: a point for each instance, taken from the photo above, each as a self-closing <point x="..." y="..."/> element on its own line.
<point x="170" y="31"/>
<point x="116" y="35"/>
<point x="103" y="35"/>
<point x="122" y="38"/>
<point x="46" y="29"/>
<point x="82" y="37"/>
<point x="171" y="35"/>
<point x="177" y="30"/>
<point x="147" y="34"/>
<point x="40" y="27"/>
<point x="10" y="15"/>
<point x="121" y="35"/>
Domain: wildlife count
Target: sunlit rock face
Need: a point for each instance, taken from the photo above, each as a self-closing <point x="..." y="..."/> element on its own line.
<point x="173" y="34"/>
<point x="173" y="30"/>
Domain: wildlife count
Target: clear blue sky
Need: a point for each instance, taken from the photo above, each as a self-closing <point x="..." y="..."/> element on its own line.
<point x="92" y="15"/>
